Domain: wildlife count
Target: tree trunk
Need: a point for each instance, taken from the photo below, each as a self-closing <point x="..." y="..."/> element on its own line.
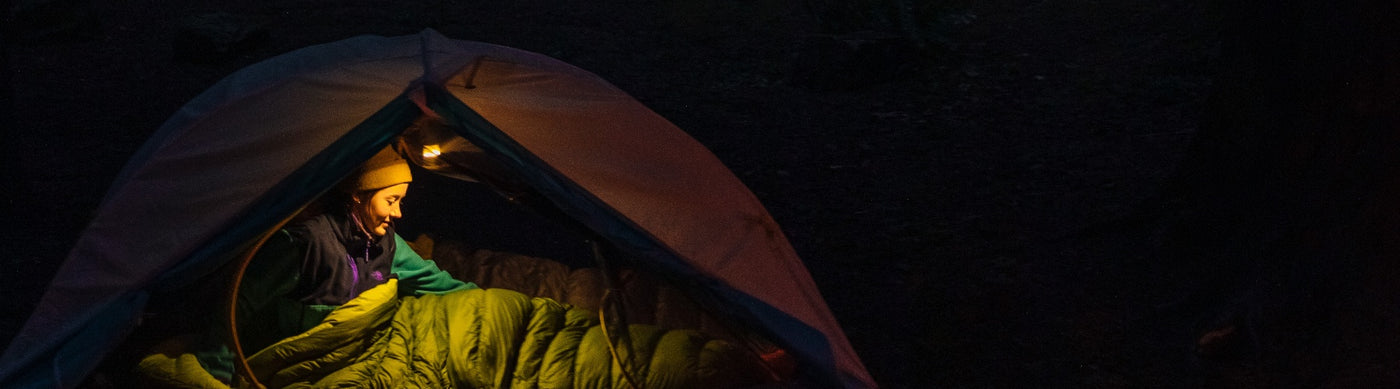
<point x="1293" y="194"/>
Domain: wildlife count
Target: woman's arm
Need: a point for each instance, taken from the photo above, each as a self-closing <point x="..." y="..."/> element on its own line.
<point x="421" y="276"/>
<point x="271" y="274"/>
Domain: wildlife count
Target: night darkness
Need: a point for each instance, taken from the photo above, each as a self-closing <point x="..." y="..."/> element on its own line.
<point x="1001" y="194"/>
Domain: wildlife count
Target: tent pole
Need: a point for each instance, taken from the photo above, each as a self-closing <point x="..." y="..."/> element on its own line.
<point x="243" y="262"/>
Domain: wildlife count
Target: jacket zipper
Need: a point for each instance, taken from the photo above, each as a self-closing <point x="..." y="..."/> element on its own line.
<point x="355" y="280"/>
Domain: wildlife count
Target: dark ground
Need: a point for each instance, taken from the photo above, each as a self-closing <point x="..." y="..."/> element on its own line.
<point x="963" y="220"/>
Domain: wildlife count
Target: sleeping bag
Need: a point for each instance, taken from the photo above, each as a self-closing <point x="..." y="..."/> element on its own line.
<point x="492" y="338"/>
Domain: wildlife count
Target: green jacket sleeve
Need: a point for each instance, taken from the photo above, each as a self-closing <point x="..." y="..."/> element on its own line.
<point x="420" y="276"/>
<point x="272" y="273"/>
<point x="266" y="313"/>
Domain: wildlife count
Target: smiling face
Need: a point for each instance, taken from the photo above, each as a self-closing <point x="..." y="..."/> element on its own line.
<point x="378" y="209"/>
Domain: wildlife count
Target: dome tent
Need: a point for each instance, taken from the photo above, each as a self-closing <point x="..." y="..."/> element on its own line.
<point x="252" y="150"/>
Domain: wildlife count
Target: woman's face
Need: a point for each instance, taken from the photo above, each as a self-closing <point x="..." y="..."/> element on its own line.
<point x="379" y="209"/>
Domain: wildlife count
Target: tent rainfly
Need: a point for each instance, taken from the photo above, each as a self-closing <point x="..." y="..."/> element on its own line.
<point x="256" y="147"/>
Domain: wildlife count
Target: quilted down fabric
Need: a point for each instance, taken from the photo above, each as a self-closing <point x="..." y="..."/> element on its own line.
<point x="492" y="338"/>
<point x="649" y="300"/>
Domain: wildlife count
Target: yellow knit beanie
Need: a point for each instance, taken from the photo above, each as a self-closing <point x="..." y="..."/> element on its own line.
<point x="383" y="170"/>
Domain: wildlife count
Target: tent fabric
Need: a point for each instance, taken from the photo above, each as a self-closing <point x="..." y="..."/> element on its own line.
<point x="282" y="131"/>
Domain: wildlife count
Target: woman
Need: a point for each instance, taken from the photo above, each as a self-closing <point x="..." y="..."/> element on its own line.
<point x="322" y="261"/>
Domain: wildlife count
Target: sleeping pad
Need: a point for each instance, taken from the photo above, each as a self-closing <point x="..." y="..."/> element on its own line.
<point x="490" y="338"/>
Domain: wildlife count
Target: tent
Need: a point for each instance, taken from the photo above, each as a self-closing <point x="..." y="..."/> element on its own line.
<point x="262" y="143"/>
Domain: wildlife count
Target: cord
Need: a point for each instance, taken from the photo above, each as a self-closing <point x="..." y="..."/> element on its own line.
<point x="603" y="305"/>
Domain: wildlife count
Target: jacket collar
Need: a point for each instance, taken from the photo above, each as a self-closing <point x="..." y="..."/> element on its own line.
<point x="354" y="239"/>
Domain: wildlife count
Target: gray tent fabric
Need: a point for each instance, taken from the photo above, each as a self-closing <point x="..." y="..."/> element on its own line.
<point x="253" y="148"/>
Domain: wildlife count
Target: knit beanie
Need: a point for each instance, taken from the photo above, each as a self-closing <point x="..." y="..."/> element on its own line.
<point x="383" y="170"/>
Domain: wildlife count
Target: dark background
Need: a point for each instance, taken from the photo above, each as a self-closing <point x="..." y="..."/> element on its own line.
<point x="967" y="182"/>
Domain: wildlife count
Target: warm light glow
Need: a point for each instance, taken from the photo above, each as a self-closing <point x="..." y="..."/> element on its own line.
<point x="431" y="151"/>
